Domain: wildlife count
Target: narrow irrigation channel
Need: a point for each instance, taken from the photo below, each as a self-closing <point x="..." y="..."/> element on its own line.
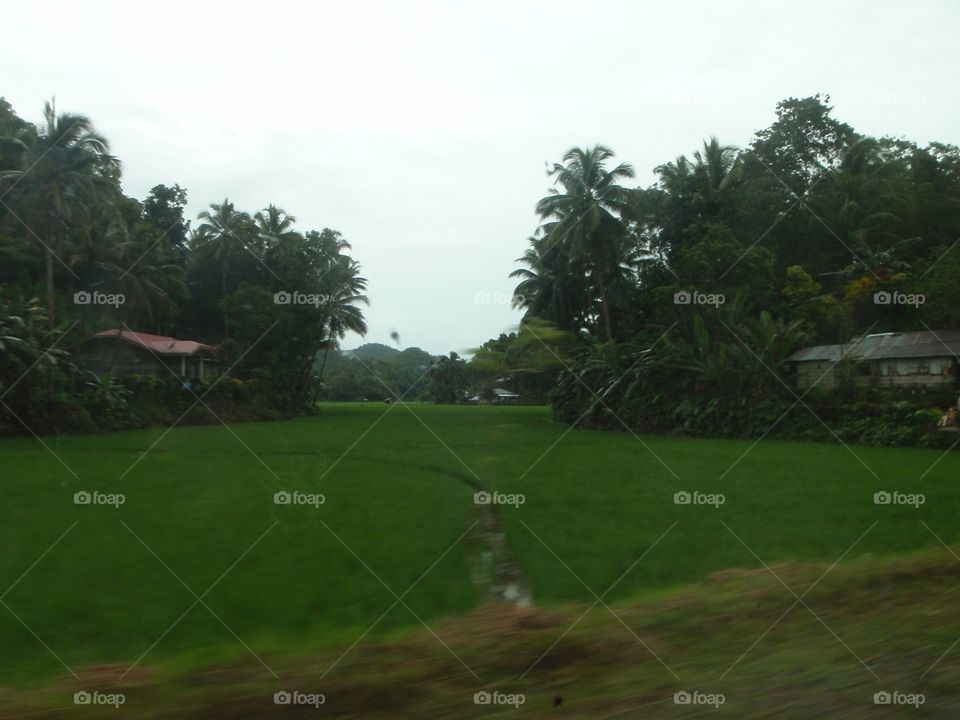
<point x="493" y="566"/>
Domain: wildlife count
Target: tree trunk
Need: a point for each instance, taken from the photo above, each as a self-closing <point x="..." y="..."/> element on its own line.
<point x="223" y="297"/>
<point x="323" y="365"/>
<point x="116" y="343"/>
<point x="113" y="354"/>
<point x="604" y="308"/>
<point x="54" y="219"/>
<point x="326" y="350"/>
<point x="48" y="257"/>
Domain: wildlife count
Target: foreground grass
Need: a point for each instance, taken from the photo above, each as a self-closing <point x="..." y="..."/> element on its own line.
<point x="864" y="627"/>
<point x="598" y="517"/>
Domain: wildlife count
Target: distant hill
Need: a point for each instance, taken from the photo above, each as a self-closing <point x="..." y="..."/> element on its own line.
<point x="363" y="371"/>
<point x="410" y="357"/>
<point x="372" y="351"/>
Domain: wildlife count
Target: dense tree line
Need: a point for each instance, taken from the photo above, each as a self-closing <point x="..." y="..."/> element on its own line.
<point x="681" y="297"/>
<point x="270" y="296"/>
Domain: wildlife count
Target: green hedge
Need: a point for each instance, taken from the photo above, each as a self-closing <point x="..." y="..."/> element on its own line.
<point x="656" y="397"/>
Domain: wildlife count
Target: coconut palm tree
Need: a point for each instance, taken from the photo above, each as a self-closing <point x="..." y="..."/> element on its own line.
<point x="546" y="290"/>
<point x="342" y="307"/>
<point x="863" y="201"/>
<point x="691" y="191"/>
<point x="95" y="251"/>
<point x="223" y="232"/>
<point x="150" y="278"/>
<point x="63" y="169"/>
<point x="582" y="219"/>
<point x="675" y="176"/>
<point x="274" y="225"/>
<point x="699" y="182"/>
<point x="718" y="164"/>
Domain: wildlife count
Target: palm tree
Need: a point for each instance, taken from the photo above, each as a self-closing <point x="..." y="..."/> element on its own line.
<point x="63" y="168"/>
<point x="223" y="232"/>
<point x="691" y="191"/>
<point x="675" y="176"/>
<point x="96" y="251"/>
<point x="274" y="225"/>
<point x="546" y="290"/>
<point x="582" y="218"/>
<point x="332" y="243"/>
<point x="863" y="202"/>
<point x="718" y="164"/>
<point x="343" y="313"/>
<point x="149" y="277"/>
<point x="712" y="172"/>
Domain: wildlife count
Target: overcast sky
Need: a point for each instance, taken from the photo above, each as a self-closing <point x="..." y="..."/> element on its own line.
<point x="421" y="130"/>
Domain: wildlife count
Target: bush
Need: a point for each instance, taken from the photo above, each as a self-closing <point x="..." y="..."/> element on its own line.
<point x="656" y="396"/>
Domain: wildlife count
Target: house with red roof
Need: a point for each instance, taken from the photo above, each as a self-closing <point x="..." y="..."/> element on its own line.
<point x="124" y="352"/>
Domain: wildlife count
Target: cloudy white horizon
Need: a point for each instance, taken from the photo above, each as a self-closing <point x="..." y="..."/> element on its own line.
<point x="421" y="130"/>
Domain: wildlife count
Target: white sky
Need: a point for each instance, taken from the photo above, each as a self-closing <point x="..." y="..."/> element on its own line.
<point x="420" y="130"/>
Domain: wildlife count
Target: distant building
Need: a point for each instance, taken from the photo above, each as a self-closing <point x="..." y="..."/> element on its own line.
<point x="502" y="397"/>
<point x="123" y="352"/>
<point x="912" y="359"/>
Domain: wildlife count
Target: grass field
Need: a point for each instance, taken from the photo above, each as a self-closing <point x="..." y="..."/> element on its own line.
<point x="199" y="517"/>
<point x="898" y="615"/>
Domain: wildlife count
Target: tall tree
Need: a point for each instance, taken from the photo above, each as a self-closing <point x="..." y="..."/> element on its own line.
<point x="581" y="220"/>
<point x="274" y="225"/>
<point x="803" y="142"/>
<point x="224" y="233"/>
<point x="164" y="208"/>
<point x="64" y="168"/>
<point x="547" y="289"/>
<point x="345" y="292"/>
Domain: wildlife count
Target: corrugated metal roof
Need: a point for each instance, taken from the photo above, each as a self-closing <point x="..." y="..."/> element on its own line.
<point x="937" y="343"/>
<point x="925" y="343"/>
<point x="818" y="353"/>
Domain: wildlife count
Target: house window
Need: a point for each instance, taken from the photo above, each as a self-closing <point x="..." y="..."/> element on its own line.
<point x="923" y="367"/>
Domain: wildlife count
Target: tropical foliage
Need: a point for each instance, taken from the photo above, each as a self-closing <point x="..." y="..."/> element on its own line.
<point x="273" y="298"/>
<point x="686" y="297"/>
